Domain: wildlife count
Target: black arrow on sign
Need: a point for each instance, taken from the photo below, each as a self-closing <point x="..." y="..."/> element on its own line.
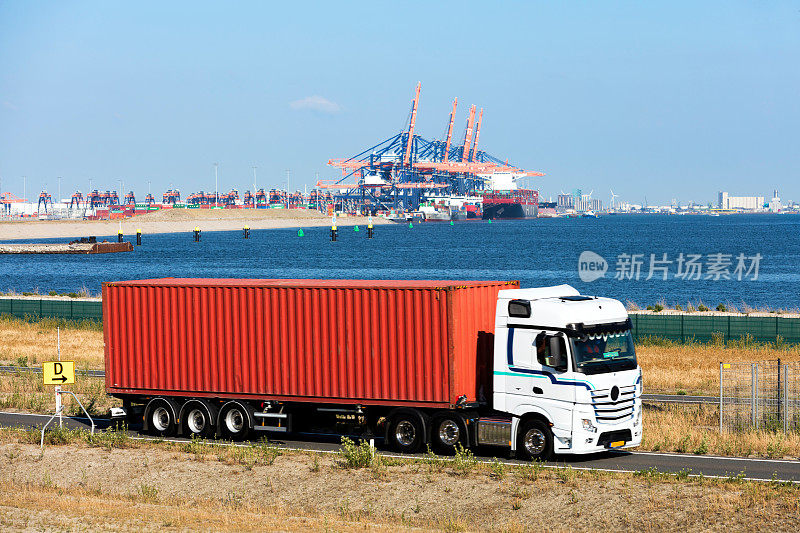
<point x="62" y="379"/>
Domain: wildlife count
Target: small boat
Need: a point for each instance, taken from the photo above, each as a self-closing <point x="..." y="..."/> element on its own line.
<point x="434" y="213"/>
<point x="589" y="214"/>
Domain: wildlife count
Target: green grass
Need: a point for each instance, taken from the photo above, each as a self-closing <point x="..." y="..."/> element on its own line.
<point x="7" y="320"/>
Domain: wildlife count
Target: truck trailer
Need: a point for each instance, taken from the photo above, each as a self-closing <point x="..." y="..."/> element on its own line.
<point x="441" y="363"/>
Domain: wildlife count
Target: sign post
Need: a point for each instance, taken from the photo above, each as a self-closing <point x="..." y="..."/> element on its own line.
<point x="60" y="373"/>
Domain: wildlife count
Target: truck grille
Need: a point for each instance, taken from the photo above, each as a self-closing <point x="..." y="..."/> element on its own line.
<point x="609" y="411"/>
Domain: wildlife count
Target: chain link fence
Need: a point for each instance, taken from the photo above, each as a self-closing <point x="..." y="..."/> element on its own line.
<point x="761" y="395"/>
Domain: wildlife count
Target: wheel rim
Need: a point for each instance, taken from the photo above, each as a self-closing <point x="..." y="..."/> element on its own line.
<point x="161" y="419"/>
<point x="405" y="433"/>
<point x="234" y="421"/>
<point x="535" y="441"/>
<point x="196" y="420"/>
<point x="449" y="432"/>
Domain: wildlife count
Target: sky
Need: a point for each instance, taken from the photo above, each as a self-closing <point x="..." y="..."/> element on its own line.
<point x="656" y="100"/>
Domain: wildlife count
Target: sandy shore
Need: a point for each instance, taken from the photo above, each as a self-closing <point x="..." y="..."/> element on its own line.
<point x="175" y="221"/>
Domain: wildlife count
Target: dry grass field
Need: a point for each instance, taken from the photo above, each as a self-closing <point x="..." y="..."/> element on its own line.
<point x="29" y="343"/>
<point x="114" y="483"/>
<point x="694" y="368"/>
<point x="695" y="429"/>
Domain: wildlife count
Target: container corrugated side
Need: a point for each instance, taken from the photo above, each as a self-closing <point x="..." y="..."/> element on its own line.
<point x="373" y="343"/>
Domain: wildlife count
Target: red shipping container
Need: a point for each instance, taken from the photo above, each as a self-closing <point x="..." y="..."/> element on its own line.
<point x="372" y="342"/>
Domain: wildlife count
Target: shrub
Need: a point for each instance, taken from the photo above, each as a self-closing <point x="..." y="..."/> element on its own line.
<point x="702" y="308"/>
<point x="498" y="469"/>
<point x="721" y="308"/>
<point x="147" y="493"/>
<point x="356" y="456"/>
<point x="463" y="461"/>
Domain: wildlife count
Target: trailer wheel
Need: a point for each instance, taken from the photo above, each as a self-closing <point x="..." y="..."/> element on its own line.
<point x="535" y="441"/>
<point x="198" y="420"/>
<point x="448" y="432"/>
<point x="161" y="419"/>
<point x="234" y="421"/>
<point x="406" y="432"/>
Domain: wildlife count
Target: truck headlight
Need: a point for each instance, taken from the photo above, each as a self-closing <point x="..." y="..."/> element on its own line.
<point x="588" y="426"/>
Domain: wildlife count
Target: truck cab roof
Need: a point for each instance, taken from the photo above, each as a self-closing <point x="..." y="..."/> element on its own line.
<point x="558" y="306"/>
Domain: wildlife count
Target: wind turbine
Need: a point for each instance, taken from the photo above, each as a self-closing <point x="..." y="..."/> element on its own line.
<point x="613" y="198"/>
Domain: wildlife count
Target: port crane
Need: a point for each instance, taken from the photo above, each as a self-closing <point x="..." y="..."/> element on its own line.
<point x="44" y="198"/>
<point x="398" y="171"/>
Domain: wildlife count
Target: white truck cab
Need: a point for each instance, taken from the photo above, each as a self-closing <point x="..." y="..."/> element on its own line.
<point x="565" y="369"/>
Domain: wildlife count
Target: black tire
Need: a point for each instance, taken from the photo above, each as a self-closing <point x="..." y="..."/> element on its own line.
<point x="447" y="432"/>
<point x="234" y="422"/>
<point x="535" y="441"/>
<point x="161" y="419"/>
<point x="198" y="421"/>
<point x="406" y="433"/>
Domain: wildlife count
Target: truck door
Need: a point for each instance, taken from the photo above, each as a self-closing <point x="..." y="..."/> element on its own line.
<point x="538" y="378"/>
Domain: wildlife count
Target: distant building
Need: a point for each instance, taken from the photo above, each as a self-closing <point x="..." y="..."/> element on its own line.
<point x="597" y="204"/>
<point x="750" y="203"/>
<point x="775" y="204"/>
<point x="566" y="201"/>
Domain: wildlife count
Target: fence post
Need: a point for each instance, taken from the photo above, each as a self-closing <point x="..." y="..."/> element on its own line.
<point x="753" y="394"/>
<point x="780" y="398"/>
<point x="785" y="398"/>
<point x="720" y="396"/>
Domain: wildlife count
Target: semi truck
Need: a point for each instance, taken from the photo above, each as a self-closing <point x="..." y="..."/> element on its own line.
<point x="446" y="364"/>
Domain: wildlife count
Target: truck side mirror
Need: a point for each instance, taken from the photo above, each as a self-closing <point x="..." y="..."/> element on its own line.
<point x="557" y="353"/>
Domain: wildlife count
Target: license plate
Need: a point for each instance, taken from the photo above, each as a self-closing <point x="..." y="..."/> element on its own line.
<point x="617" y="444"/>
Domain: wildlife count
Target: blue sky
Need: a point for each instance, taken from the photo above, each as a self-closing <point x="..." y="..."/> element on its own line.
<point x="658" y="99"/>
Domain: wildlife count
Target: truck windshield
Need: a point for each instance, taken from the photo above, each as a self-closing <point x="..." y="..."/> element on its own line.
<point x="599" y="354"/>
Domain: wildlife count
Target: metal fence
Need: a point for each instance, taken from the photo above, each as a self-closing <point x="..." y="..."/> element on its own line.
<point x="763" y="395"/>
<point x="710" y="327"/>
<point x="51" y="308"/>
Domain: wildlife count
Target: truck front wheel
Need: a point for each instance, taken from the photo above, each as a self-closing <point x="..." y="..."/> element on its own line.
<point x="406" y="433"/>
<point x="535" y="441"/>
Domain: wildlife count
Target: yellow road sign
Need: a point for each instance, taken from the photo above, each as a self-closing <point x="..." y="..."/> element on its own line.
<point x="58" y="372"/>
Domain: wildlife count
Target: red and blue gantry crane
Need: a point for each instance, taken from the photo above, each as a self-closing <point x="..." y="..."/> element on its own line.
<point x="398" y="172"/>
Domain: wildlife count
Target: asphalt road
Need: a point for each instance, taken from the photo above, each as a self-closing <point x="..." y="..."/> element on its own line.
<point x="620" y="461"/>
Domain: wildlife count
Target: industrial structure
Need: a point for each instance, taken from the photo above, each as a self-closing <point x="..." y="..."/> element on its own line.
<point x="750" y="203"/>
<point x="399" y="172"/>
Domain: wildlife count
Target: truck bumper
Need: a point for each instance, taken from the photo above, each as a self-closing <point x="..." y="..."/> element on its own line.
<point x="606" y="438"/>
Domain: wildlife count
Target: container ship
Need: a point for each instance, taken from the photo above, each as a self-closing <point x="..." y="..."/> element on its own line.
<point x="516" y="203"/>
